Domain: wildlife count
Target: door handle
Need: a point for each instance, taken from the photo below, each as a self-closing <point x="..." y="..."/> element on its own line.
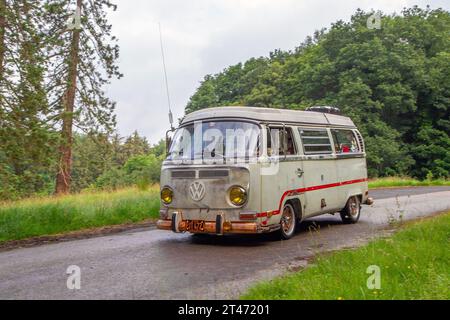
<point x="299" y="172"/>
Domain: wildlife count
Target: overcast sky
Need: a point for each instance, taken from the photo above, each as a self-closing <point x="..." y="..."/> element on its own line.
<point x="204" y="37"/>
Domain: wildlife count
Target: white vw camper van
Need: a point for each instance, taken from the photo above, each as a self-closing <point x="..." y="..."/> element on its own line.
<point x="255" y="170"/>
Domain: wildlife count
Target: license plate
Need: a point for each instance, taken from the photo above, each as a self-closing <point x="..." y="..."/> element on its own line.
<point x="195" y="225"/>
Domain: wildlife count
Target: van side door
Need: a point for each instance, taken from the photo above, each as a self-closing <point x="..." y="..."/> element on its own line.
<point x="319" y="165"/>
<point x="287" y="173"/>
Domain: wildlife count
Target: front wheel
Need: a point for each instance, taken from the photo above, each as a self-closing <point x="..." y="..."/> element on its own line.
<point x="288" y="222"/>
<point x="352" y="210"/>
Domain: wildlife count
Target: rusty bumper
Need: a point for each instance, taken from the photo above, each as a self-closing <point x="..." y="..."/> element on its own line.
<point x="210" y="227"/>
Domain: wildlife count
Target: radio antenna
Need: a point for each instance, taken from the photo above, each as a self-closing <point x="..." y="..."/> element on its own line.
<point x="165" y="77"/>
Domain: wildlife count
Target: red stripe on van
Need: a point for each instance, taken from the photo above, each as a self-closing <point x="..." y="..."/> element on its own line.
<point x="314" y="188"/>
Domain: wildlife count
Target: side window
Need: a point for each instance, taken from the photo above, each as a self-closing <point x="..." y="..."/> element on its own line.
<point x="279" y="141"/>
<point x="345" y="141"/>
<point x="315" y="141"/>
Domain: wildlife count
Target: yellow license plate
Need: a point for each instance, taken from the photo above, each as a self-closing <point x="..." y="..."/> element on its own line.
<point x="195" y="225"/>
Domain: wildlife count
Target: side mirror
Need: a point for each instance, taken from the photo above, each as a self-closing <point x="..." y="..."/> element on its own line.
<point x="168" y="143"/>
<point x="168" y="140"/>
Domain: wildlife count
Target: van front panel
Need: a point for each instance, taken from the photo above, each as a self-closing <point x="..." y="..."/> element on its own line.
<point x="216" y="181"/>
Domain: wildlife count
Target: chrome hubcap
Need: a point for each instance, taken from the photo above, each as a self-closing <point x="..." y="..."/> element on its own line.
<point x="354" y="210"/>
<point x="287" y="220"/>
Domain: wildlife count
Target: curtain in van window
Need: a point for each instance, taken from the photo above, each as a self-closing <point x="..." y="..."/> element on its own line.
<point x="345" y="141"/>
<point x="279" y="140"/>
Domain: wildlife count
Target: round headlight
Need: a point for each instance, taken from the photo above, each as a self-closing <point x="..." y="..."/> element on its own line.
<point x="166" y="195"/>
<point x="238" y="195"/>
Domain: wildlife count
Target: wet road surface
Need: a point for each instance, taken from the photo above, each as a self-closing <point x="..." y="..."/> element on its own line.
<point x="384" y="193"/>
<point x="155" y="264"/>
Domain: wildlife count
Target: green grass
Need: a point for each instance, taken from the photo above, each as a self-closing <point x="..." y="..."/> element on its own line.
<point x="405" y="182"/>
<point x="52" y="215"/>
<point x="414" y="263"/>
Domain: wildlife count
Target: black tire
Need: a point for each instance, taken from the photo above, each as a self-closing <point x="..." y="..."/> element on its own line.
<point x="288" y="222"/>
<point x="352" y="210"/>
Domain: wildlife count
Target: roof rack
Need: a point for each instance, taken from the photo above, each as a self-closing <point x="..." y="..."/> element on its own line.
<point x="324" y="109"/>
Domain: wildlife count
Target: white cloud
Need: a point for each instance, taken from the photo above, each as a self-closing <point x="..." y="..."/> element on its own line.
<point x="206" y="36"/>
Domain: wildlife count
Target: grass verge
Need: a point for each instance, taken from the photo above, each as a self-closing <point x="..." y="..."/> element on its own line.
<point x="405" y="182"/>
<point x="48" y="216"/>
<point x="414" y="264"/>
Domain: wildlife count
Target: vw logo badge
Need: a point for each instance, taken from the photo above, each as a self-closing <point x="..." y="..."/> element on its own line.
<point x="197" y="190"/>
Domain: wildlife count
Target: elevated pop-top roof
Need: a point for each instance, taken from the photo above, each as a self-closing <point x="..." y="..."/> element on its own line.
<point x="270" y="115"/>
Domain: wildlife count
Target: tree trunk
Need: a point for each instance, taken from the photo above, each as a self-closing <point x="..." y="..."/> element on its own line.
<point x="63" y="177"/>
<point x="2" y="34"/>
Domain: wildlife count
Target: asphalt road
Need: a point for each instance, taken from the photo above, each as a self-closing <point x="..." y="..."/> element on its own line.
<point x="384" y="193"/>
<point x="155" y="264"/>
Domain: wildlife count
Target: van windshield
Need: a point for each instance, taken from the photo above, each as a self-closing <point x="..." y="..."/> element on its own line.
<point x="215" y="140"/>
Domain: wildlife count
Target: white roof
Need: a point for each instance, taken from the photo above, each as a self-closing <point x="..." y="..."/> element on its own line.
<point x="270" y="115"/>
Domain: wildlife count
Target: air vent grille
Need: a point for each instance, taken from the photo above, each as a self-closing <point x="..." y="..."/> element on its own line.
<point x="183" y="174"/>
<point x="213" y="174"/>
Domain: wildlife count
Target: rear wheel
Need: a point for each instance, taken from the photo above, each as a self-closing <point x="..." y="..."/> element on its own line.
<point x="352" y="210"/>
<point x="288" y="222"/>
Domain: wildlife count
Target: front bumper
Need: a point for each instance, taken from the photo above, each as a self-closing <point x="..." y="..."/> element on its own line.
<point x="213" y="227"/>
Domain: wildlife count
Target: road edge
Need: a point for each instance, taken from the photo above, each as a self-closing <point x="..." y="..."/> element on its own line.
<point x="76" y="235"/>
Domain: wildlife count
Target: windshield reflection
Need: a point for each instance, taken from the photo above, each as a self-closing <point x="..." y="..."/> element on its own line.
<point x="216" y="141"/>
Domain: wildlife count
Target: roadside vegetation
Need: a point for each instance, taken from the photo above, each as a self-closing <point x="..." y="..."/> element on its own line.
<point x="388" y="182"/>
<point x="53" y="215"/>
<point x="414" y="264"/>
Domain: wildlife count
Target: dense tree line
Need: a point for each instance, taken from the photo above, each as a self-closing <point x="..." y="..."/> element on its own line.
<point x="111" y="162"/>
<point x="57" y="126"/>
<point x="393" y="82"/>
<point x="99" y="161"/>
